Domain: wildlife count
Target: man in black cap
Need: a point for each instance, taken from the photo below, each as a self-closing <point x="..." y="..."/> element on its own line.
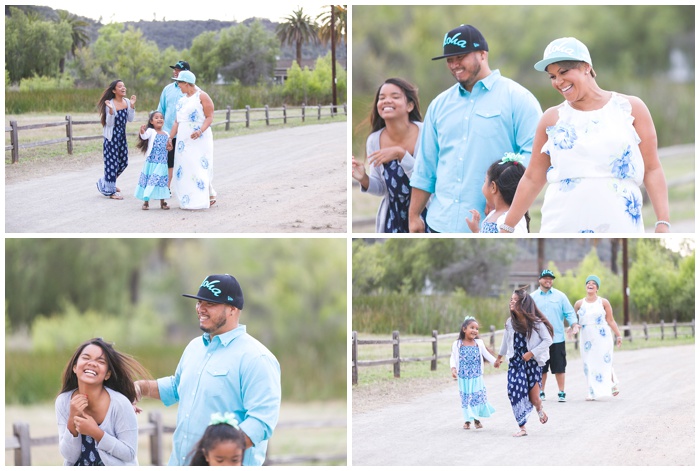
<point x="224" y="370"/>
<point x="467" y="128"/>
<point x="556" y="306"/>
<point x="168" y="99"/>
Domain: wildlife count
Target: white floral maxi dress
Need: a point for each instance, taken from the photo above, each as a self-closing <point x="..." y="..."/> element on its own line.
<point x="596" y="170"/>
<point x="596" y="345"/>
<point x="193" y="170"/>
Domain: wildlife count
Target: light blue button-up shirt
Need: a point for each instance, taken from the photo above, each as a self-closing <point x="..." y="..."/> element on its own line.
<point x="556" y="307"/>
<point x="463" y="134"/>
<point x="168" y="99"/>
<point x="233" y="372"/>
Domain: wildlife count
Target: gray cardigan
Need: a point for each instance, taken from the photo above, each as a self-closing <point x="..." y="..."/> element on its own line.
<point x="538" y="343"/>
<point x="109" y="127"/>
<point x="118" y="446"/>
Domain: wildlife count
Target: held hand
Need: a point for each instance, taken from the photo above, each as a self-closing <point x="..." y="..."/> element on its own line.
<point x="358" y="170"/>
<point x="133" y="101"/>
<point x="473" y="223"/>
<point x="197" y="134"/>
<point x="497" y="363"/>
<point x="169" y="145"/>
<point x="86" y="425"/>
<point x="454" y="373"/>
<point x="416" y="224"/>
<point x="528" y="356"/>
<point x="78" y="403"/>
<point x="386" y="155"/>
<point x="618" y="341"/>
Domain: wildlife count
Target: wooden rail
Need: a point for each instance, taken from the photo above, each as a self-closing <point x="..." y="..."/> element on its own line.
<point x="21" y="442"/>
<point x="268" y="113"/>
<point x="395" y="341"/>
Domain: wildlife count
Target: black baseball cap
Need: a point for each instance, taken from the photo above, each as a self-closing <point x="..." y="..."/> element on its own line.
<point x="220" y="289"/>
<point x="547" y="273"/>
<point x="462" y="40"/>
<point x="182" y="65"/>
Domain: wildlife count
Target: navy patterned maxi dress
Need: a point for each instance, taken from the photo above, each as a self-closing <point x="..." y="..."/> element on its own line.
<point x="88" y="453"/>
<point x="522" y="377"/>
<point x="398" y="185"/>
<point x="116" y="155"/>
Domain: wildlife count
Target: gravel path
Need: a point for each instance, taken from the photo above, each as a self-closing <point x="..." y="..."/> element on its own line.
<point x="651" y="422"/>
<point x="285" y="181"/>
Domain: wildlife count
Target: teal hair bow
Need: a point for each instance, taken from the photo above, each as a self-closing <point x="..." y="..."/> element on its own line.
<point x="512" y="157"/>
<point x="469" y="318"/>
<point x="226" y="418"/>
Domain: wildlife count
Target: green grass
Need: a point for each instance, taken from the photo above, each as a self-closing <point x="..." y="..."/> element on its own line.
<point x="681" y="198"/>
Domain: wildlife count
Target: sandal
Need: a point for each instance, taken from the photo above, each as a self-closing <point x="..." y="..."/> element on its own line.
<point x="615" y="390"/>
<point x="521" y="433"/>
<point x="164" y="205"/>
<point x="543" y="416"/>
<point x="466" y="426"/>
<point x="116" y="196"/>
<point x="145" y="205"/>
<point x="211" y="202"/>
<point x="477" y="424"/>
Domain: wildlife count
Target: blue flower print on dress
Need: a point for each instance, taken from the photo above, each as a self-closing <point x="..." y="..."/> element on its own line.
<point x="607" y="358"/>
<point x="193" y="117"/>
<point x="563" y="135"/>
<point x="178" y="173"/>
<point x="204" y="162"/>
<point x="180" y="146"/>
<point x="599" y="378"/>
<point x="586" y="231"/>
<point x="602" y="332"/>
<point x="587" y="346"/>
<point x="185" y="200"/>
<point x="200" y="184"/>
<point x="599" y="320"/>
<point x="622" y="166"/>
<point x="568" y="184"/>
<point x="633" y="207"/>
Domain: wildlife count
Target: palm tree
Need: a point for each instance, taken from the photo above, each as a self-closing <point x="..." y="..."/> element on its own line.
<point x="297" y="30"/>
<point x="79" y="33"/>
<point x="340" y="26"/>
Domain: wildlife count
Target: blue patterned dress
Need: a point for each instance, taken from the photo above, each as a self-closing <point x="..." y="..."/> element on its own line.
<point x="596" y="346"/>
<point x="398" y="186"/>
<point x="116" y="155"/>
<point x="522" y="377"/>
<point x="596" y="170"/>
<point x="470" y="379"/>
<point x="153" y="181"/>
<point x="88" y="453"/>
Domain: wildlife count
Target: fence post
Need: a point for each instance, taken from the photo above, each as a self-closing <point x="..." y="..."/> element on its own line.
<point x="345" y="109"/>
<point x="284" y="112"/>
<point x="247" y="116"/>
<point x="397" y="357"/>
<point x="354" y="357"/>
<point x="433" y="362"/>
<point x="675" y="328"/>
<point x="14" y="140"/>
<point x="267" y="115"/>
<point x="69" y="134"/>
<point x="303" y="112"/>
<point x="319" y="111"/>
<point x="156" y="440"/>
<point x="662" y="329"/>
<point x="646" y="331"/>
<point x="692" y="327"/>
<point x="228" y="117"/>
<point x="23" y="455"/>
<point x="492" y="337"/>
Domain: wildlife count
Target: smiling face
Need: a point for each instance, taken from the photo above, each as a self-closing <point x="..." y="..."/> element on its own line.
<point x="157" y="120"/>
<point x="568" y="78"/>
<point x="392" y="102"/>
<point x="546" y="283"/>
<point x="119" y="90"/>
<point x="471" y="331"/>
<point x="216" y="318"/>
<point x="591" y="287"/>
<point x="224" y="453"/>
<point x="92" y="366"/>
<point x="467" y="68"/>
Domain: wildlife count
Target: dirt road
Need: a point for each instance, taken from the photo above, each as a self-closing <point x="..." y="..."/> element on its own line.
<point x="651" y="422"/>
<point x="290" y="180"/>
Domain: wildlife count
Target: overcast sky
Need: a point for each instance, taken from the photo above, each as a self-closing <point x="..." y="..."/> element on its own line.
<point x="120" y="11"/>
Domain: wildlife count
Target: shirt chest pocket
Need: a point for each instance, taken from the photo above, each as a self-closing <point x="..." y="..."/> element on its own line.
<point x="487" y="123"/>
<point x="216" y="378"/>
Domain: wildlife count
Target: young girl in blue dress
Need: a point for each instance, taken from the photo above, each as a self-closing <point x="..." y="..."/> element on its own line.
<point x="153" y="181"/>
<point x="467" y="366"/>
<point x="500" y="183"/>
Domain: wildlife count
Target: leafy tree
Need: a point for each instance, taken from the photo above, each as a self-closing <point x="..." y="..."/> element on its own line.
<point x="34" y="47"/>
<point x="79" y="33"/>
<point x="247" y="52"/>
<point x="340" y="26"/>
<point x="296" y="30"/>
<point x="320" y="80"/>
<point x="296" y="87"/>
<point x="204" y="59"/>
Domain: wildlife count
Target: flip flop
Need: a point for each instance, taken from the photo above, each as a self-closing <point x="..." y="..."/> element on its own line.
<point x="466" y="426"/>
<point x="145" y="206"/>
<point x="116" y="196"/>
<point x="521" y="433"/>
<point x="477" y="424"/>
<point x="211" y="202"/>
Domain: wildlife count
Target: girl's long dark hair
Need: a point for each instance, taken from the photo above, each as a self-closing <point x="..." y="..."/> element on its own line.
<point x="531" y="315"/>
<point x="507" y="175"/>
<point x="213" y="435"/>
<point x="124" y="370"/>
<point x="411" y="93"/>
<point x="142" y="144"/>
<point x="107" y="95"/>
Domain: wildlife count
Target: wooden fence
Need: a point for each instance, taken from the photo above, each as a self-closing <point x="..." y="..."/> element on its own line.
<point x="642" y="333"/>
<point x="248" y="116"/>
<point x="21" y="442"/>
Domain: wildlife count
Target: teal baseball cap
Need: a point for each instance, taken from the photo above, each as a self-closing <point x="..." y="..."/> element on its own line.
<point x="186" y="76"/>
<point x="593" y="278"/>
<point x="564" y="49"/>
